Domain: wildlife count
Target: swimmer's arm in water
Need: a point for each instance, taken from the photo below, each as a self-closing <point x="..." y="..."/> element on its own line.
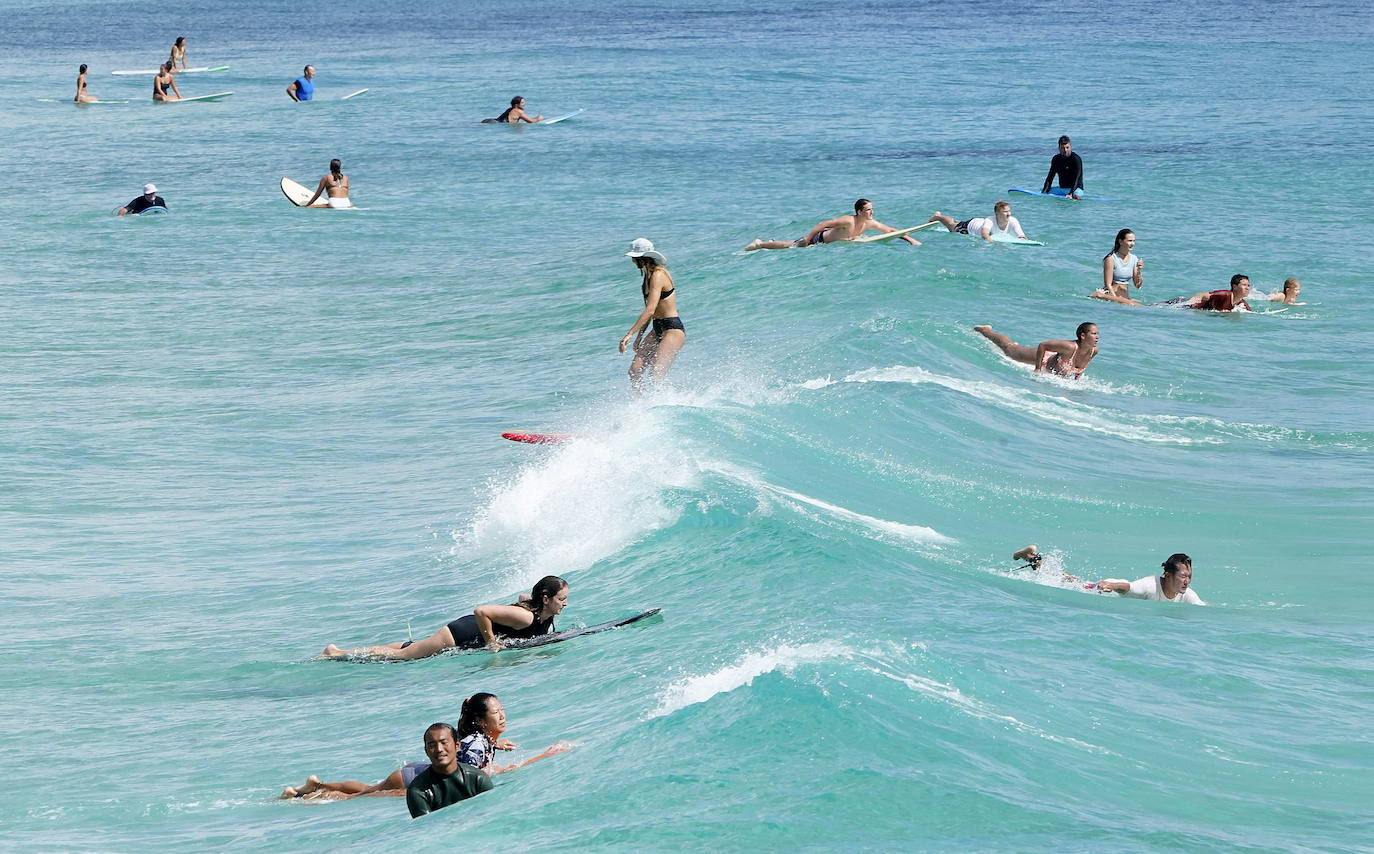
<point x="173" y="83"/>
<point x="822" y="226"/>
<point x="986" y="232"/>
<point x="1113" y="585"/>
<point x="887" y="229"/>
<point x="510" y="616"/>
<point x="650" y="306"/>
<point x="1107" y="273"/>
<point x="1030" y="554"/>
<point x="1063" y="348"/>
<point x="318" y="190"/>
<point x="291" y="90"/>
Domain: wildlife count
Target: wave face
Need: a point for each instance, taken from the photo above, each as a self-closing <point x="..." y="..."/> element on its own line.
<point x="241" y="431"/>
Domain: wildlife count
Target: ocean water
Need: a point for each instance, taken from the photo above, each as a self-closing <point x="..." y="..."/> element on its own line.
<point x="236" y="433"/>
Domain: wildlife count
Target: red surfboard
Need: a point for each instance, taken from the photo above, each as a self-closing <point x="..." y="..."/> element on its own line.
<point x="539" y="438"/>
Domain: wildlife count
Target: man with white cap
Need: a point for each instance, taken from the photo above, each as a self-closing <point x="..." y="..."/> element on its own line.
<point x="149" y="199"/>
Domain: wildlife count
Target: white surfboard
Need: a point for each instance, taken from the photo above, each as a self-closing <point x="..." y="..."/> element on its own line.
<point x="562" y="118"/>
<point x="78" y="103"/>
<point x="892" y="235"/>
<point x="178" y="71"/>
<point x="353" y="94"/>
<point x="214" y="97"/>
<point x="299" y="195"/>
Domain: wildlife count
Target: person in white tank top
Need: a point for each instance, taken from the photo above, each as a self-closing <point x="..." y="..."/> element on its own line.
<point x="1120" y="270"/>
<point x="1000" y="226"/>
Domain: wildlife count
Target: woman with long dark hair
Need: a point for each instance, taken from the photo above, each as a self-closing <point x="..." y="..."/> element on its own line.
<point x="1120" y="270"/>
<point x="336" y="185"/>
<point x="530" y="617"/>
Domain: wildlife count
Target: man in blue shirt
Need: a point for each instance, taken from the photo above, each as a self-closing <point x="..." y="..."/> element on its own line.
<point x="302" y="89"/>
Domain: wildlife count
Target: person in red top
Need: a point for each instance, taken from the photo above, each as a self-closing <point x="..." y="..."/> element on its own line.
<point x="1223" y="300"/>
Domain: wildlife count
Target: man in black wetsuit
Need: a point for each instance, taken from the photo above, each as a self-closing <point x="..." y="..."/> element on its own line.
<point x="1069" y="169"/>
<point x="446" y="781"/>
<point x="149" y="199"/>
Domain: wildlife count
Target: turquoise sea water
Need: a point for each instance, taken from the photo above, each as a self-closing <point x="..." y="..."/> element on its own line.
<point x="236" y="433"/>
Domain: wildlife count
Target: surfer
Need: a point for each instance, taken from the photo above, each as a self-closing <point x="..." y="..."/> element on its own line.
<point x="1120" y="270"/>
<point x="149" y="199"/>
<point x="846" y="227"/>
<point x="302" y="88"/>
<point x="485" y="626"/>
<point x="178" y="57"/>
<point x="656" y="350"/>
<point x="1000" y="226"/>
<point x="336" y="185"/>
<point x="1170" y="586"/>
<point x="82" y="96"/>
<point x="481" y="722"/>
<point x="1068" y="168"/>
<point x="447" y="781"/>
<point x="1065" y="358"/>
<point x="1222" y="300"/>
<point x="162" y="81"/>
<point x="1291" y="289"/>
<point x="514" y="113"/>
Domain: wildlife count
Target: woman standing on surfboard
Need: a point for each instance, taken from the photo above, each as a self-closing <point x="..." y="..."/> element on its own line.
<point x="1120" y="270"/>
<point x="481" y="722"/>
<point x="485" y="626"/>
<point x="336" y="185"/>
<point x="1065" y="358"/>
<point x="654" y="352"/>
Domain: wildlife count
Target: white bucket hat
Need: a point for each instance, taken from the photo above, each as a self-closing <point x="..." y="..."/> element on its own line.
<point x="643" y="247"/>
<point x="149" y="188"/>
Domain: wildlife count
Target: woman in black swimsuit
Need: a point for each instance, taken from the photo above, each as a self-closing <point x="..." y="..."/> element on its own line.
<point x="485" y="626"/>
<point x="654" y="352"/>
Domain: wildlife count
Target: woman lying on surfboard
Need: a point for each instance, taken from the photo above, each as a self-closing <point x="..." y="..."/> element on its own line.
<point x="480" y="724"/>
<point x="655" y="351"/>
<point x="485" y="626"/>
<point x="336" y="185"/>
<point x="845" y="227"/>
<point x="1065" y="358"/>
<point x="1120" y="270"/>
<point x="514" y="113"/>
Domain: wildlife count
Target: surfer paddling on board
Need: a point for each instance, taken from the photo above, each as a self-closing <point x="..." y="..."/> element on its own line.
<point x="162" y="81"/>
<point x="514" y="113"/>
<point x="530" y="617"/>
<point x="1173" y="585"/>
<point x="1120" y="270"/>
<point x="1223" y="300"/>
<point x="655" y="348"/>
<point x="1065" y="358"/>
<point x="178" y="57"/>
<point x="1068" y="168"/>
<point x="335" y="184"/>
<point x="845" y="227"/>
<point x="481" y="722"/>
<point x="303" y="87"/>
<point x="149" y="199"/>
<point x="82" y="96"/>
<point x="1000" y="226"/>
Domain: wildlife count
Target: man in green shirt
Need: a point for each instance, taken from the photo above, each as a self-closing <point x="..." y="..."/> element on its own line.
<point x="446" y="781"/>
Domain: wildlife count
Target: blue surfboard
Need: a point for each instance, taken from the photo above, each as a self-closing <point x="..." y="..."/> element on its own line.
<point x="1057" y="195"/>
<point x="155" y="209"/>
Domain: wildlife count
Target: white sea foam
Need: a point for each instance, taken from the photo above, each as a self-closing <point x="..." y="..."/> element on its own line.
<point x="1144" y="428"/>
<point x="581" y="502"/>
<point x="952" y="696"/>
<point x="900" y="530"/>
<point x="783" y="658"/>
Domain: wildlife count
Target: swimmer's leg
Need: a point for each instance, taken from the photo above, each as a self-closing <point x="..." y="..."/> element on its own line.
<point x="668" y="346"/>
<point x="1009" y="348"/>
<point x="769" y="244"/>
<point x="432" y="645"/>
<point x="1117" y="298"/>
<point x="947" y="221"/>
<point x="645" y="352"/>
